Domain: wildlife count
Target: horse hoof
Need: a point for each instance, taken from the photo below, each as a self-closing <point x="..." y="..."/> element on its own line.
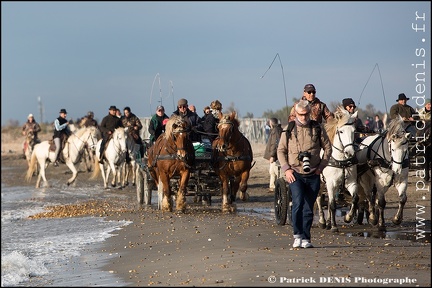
<point x="322" y="225"/>
<point x="347" y="219"/>
<point x="397" y="221"/>
<point x="382" y="228"/>
<point x="334" y="230"/>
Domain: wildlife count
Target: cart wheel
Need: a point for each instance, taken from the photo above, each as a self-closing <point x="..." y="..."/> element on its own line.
<point x="140" y="186"/>
<point x="282" y="202"/>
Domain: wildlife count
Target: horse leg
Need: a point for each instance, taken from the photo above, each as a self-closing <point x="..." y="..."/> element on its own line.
<point x="353" y="190"/>
<point x="181" y="198"/>
<point x="133" y="171"/>
<point x="110" y="167"/>
<point x="74" y="172"/>
<point x="125" y="173"/>
<point x="383" y="180"/>
<point x="381" y="203"/>
<point x="331" y="219"/>
<point x="42" y="177"/>
<point x="244" y="196"/>
<point x="226" y="197"/>
<point x="401" y="187"/>
<point x="319" y="204"/>
<point x="166" y="200"/>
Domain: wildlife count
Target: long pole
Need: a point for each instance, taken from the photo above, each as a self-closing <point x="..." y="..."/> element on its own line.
<point x="151" y="93"/>
<point x="283" y="77"/>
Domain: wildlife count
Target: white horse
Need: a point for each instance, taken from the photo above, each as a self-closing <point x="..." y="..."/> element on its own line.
<point x="385" y="162"/>
<point x="89" y="152"/>
<point x="341" y="172"/>
<point x="115" y="155"/>
<point x="130" y="165"/>
<point x="72" y="153"/>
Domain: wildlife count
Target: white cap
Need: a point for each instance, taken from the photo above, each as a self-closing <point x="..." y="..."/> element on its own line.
<point x="30" y="115"/>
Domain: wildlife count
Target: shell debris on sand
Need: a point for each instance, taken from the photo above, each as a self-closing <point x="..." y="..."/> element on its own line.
<point x="99" y="208"/>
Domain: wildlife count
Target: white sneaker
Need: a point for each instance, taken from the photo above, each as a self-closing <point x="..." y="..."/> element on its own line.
<point x="297" y="242"/>
<point x="306" y="244"/>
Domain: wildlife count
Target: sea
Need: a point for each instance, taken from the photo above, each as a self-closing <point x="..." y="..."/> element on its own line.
<point x="34" y="252"/>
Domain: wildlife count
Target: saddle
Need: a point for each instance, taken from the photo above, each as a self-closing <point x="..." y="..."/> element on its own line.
<point x="52" y="147"/>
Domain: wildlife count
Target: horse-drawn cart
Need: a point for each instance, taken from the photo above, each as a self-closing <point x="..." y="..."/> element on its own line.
<point x="203" y="181"/>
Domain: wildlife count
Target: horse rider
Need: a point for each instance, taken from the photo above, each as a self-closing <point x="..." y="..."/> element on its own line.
<point x="133" y="123"/>
<point x="61" y="133"/>
<point x="108" y="125"/>
<point x="406" y="112"/>
<point x="425" y="112"/>
<point x="193" y="118"/>
<point x="88" y="120"/>
<point x="209" y="122"/>
<point x="209" y="125"/>
<point x="157" y="125"/>
<point x="349" y="105"/>
<point x="304" y="183"/>
<point x="31" y="126"/>
<point x="319" y="109"/>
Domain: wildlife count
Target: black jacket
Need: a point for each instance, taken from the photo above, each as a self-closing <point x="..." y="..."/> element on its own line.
<point x="110" y="123"/>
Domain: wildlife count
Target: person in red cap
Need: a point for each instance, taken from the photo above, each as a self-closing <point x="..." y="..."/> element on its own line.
<point x="319" y="110"/>
<point x="157" y="124"/>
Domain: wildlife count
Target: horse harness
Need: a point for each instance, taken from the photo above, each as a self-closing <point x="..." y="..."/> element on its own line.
<point x="231" y="158"/>
<point x="172" y="155"/>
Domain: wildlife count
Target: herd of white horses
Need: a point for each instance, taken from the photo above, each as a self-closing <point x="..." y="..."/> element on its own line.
<point x="121" y="153"/>
<point x="380" y="160"/>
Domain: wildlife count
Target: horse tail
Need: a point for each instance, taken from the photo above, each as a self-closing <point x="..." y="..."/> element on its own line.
<point x="96" y="168"/>
<point x="32" y="167"/>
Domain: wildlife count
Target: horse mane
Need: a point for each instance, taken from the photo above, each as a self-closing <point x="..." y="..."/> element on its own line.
<point x="341" y="117"/>
<point x="78" y="133"/>
<point x="396" y="126"/>
<point x="173" y="123"/>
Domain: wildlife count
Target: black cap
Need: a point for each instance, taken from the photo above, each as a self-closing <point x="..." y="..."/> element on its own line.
<point x="112" y="107"/>
<point x="348" y="101"/>
<point x="63" y="111"/>
<point x="309" y="87"/>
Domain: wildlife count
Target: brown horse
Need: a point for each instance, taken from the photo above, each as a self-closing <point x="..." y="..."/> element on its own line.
<point x="172" y="155"/>
<point x="232" y="160"/>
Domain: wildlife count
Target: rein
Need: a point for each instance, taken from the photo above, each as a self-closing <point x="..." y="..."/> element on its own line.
<point x="172" y="155"/>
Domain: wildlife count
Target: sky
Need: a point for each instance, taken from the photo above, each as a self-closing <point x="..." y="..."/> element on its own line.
<point x="86" y="56"/>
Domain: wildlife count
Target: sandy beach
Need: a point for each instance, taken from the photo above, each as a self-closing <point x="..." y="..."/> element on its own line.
<point x="203" y="247"/>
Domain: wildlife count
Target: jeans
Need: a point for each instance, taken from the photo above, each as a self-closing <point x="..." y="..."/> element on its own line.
<point x="57" y="149"/>
<point x="304" y="191"/>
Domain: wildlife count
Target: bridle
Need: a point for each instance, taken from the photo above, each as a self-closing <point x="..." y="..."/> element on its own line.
<point x="342" y="145"/>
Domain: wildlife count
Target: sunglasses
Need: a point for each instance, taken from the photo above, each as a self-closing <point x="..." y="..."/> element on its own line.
<point x="351" y="106"/>
<point x="183" y="106"/>
<point x="311" y="92"/>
